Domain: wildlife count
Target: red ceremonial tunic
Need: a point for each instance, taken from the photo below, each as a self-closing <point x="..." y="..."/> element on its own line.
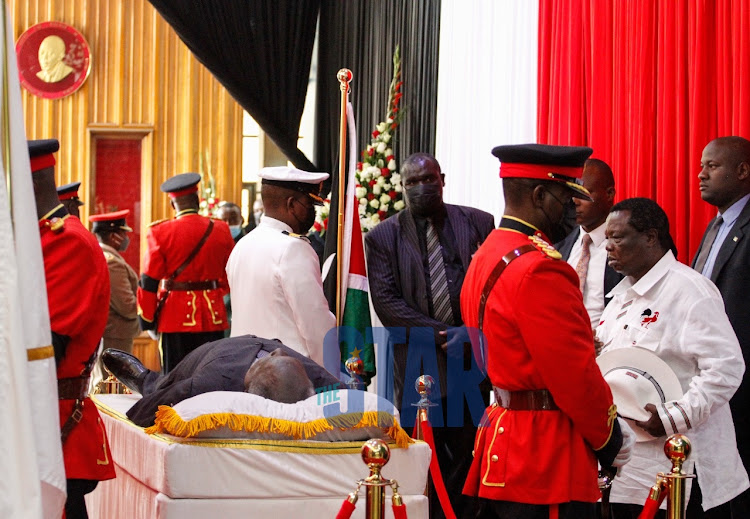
<point x="169" y="243"/>
<point x="538" y="336"/>
<point x="78" y="299"/>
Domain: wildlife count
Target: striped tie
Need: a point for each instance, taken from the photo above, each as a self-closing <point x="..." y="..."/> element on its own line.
<point x="582" y="268"/>
<point x="441" y="300"/>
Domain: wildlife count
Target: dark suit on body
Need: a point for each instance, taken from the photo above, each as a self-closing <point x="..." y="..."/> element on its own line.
<point x="214" y="366"/>
<point x="611" y="276"/>
<point x="399" y="279"/>
<point x="731" y="274"/>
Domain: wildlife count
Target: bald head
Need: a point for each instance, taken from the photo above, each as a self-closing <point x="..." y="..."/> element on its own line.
<point x="280" y="378"/>
<point x="600" y="182"/>
<point x="725" y="171"/>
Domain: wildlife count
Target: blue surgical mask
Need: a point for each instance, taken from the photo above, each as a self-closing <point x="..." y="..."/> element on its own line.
<point x="235" y="230"/>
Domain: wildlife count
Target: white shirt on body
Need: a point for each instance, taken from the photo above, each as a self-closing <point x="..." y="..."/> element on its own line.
<point x="593" y="291"/>
<point x="679" y="315"/>
<point x="277" y="292"/>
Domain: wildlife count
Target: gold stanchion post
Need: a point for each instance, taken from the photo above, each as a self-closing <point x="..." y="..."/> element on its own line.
<point x="677" y="448"/>
<point x="375" y="454"/>
<point x="423" y="385"/>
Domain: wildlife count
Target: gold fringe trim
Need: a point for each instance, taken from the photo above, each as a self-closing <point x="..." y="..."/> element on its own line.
<point x="40" y="353"/>
<point x="167" y="420"/>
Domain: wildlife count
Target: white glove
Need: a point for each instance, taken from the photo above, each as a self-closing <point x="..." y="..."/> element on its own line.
<point x="153" y="334"/>
<point x="628" y="440"/>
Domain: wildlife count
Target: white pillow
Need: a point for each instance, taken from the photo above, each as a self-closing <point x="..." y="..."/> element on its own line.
<point x="338" y="415"/>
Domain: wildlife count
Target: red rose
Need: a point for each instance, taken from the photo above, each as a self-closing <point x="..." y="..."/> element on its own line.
<point x="370" y="196"/>
<point x="359" y="166"/>
<point x="390" y="158"/>
<point x="371" y="152"/>
<point x="372" y="183"/>
<point x="375" y="134"/>
<point x="395" y="109"/>
<point x="385" y="172"/>
<point x="392" y="193"/>
<point x="382" y="215"/>
<point x="317" y="226"/>
<point x="325" y="223"/>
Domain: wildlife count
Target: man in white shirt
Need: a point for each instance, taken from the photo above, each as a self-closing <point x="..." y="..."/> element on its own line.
<point x="673" y="311"/>
<point x="274" y="274"/>
<point x="584" y="248"/>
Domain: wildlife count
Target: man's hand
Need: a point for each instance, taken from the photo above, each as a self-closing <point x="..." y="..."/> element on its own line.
<point x="598" y="345"/>
<point x="457" y="342"/>
<point x="628" y="440"/>
<point x="653" y="425"/>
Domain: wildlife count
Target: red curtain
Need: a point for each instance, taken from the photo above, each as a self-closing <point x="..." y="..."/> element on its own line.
<point x="647" y="84"/>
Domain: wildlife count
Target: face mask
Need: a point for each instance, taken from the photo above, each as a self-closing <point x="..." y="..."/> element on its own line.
<point x="424" y="199"/>
<point x="306" y="223"/>
<point x="235" y="230"/>
<point x="124" y="244"/>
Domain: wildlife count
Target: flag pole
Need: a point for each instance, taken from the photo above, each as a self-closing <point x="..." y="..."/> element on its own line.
<point x="344" y="76"/>
<point x="6" y="114"/>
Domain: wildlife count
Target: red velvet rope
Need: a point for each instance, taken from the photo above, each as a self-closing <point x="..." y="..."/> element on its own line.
<point x="437" y="476"/>
<point x="399" y="511"/>
<point x="347" y="508"/>
<point x="651" y="506"/>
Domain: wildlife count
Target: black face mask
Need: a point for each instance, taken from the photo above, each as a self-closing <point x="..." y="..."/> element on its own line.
<point x="557" y="231"/>
<point x="308" y="221"/>
<point x="424" y="199"/>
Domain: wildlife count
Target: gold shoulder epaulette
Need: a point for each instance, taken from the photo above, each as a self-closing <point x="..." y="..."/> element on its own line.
<point x="157" y="222"/>
<point x="295" y="235"/>
<point x="545" y="247"/>
<point x="108" y="256"/>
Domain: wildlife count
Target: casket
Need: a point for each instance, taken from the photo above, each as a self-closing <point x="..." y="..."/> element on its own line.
<point x="160" y="476"/>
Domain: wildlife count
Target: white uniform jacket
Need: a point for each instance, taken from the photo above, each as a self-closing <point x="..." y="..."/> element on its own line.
<point x="277" y="292"/>
<point x="679" y="315"/>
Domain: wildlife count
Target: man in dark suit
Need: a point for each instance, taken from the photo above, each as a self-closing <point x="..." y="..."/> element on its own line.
<point x="416" y="262"/>
<point x="724" y="257"/>
<point x="584" y="248"/>
<point x="214" y="366"/>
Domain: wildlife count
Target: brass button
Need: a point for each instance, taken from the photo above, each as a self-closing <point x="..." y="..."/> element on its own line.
<point x="494" y="457"/>
<point x="472" y="453"/>
<point x="188" y="303"/>
<point x="501" y="430"/>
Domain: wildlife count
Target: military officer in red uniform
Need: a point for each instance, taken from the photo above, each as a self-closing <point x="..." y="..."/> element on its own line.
<point x="536" y="452"/>
<point x="68" y="195"/>
<point x="182" y="276"/>
<point x="78" y="297"/>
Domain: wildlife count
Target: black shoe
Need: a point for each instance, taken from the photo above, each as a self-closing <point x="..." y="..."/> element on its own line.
<point x="126" y="367"/>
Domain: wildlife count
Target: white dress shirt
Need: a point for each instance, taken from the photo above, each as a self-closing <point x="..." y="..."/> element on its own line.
<point x="593" y="291"/>
<point x="277" y="292"/>
<point x="679" y="315"/>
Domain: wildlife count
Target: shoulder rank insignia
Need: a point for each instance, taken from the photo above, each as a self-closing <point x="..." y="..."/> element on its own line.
<point x="295" y="235"/>
<point x="545" y="247"/>
<point x="56" y="225"/>
<point x="109" y="256"/>
<point x="157" y="222"/>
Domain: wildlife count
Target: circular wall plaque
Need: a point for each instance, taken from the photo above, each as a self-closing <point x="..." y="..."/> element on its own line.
<point x="53" y="59"/>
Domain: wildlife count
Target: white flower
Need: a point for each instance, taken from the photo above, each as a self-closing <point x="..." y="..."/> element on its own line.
<point x="375" y="218"/>
<point x="388" y="152"/>
<point x="389" y="120"/>
<point x="360" y="192"/>
<point x="398" y="205"/>
<point x="381" y="146"/>
<point x="381" y="181"/>
<point x="362" y="201"/>
<point x="384" y="200"/>
<point x="392" y="165"/>
<point x="384" y="207"/>
<point x="387" y="187"/>
<point x="365" y="176"/>
<point x="374" y="203"/>
<point x="362" y="207"/>
<point x="380" y="127"/>
<point x="375" y="173"/>
<point x="380" y="164"/>
<point x="386" y="137"/>
<point x="398" y="188"/>
<point x="395" y="178"/>
<point x="376" y="189"/>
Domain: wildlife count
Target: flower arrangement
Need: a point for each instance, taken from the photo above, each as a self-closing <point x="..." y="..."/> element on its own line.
<point x="378" y="188"/>
<point x="321" y="216"/>
<point x="209" y="201"/>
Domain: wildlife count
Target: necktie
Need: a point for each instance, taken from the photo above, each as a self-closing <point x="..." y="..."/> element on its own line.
<point x="708" y="243"/>
<point x="441" y="300"/>
<point x="583" y="264"/>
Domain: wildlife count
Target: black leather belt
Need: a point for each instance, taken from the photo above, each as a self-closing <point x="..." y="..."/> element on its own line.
<point x="533" y="400"/>
<point x="189" y="285"/>
<point x="73" y="388"/>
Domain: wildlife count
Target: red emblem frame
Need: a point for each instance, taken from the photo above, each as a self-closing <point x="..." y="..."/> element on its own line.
<point x="60" y="68"/>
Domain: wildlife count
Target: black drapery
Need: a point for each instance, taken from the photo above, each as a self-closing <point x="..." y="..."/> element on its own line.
<point x="260" y="50"/>
<point x="361" y="35"/>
